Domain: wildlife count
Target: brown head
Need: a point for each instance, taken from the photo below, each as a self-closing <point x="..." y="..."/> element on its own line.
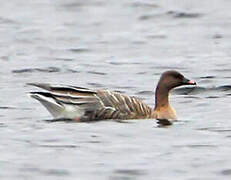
<point x="168" y="81"/>
<point x="172" y="79"/>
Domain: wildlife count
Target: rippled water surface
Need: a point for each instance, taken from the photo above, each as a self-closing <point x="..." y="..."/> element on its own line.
<point x="123" y="46"/>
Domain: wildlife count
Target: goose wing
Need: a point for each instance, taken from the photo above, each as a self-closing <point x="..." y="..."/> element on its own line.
<point x="85" y="104"/>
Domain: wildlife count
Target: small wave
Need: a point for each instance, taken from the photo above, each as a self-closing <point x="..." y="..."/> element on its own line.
<point x="4" y="20"/>
<point x="2" y="124"/>
<point x="50" y="172"/>
<point x="147" y="16"/>
<point x="177" y="14"/>
<point x="7" y="107"/>
<point x="224" y="88"/>
<point x="150" y="93"/>
<point x="207" y="77"/>
<point x="197" y="146"/>
<point x="174" y="14"/>
<point x="59" y="120"/>
<point x="217" y="36"/>
<point x="125" y="63"/>
<point x="72" y="71"/>
<point x="144" y="4"/>
<point x="64" y="59"/>
<point x="79" y="4"/>
<point x="59" y="146"/>
<point x="188" y="90"/>
<point x="95" y="84"/>
<point x="215" y="129"/>
<point x="95" y="72"/>
<point x="143" y="72"/>
<point x="79" y="50"/>
<point x="93" y="142"/>
<point x="167" y="67"/>
<point x="131" y="172"/>
<point x="202" y="146"/>
<point x="200" y="90"/>
<point x="31" y="70"/>
<point x="226" y="172"/>
<point x="123" y="87"/>
<point x="222" y="70"/>
<point x="157" y="36"/>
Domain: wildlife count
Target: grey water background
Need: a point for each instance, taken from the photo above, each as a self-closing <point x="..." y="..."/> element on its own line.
<point x="123" y="46"/>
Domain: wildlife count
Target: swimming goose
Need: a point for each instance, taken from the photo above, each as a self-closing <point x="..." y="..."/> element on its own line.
<point x="82" y="104"/>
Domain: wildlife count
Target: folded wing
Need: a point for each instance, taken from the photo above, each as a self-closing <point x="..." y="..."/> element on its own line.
<point x="64" y="101"/>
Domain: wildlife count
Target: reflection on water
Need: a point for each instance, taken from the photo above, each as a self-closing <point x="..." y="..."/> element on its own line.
<point x="121" y="46"/>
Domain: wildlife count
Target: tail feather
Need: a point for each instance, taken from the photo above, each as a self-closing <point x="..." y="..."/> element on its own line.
<point x="65" y="105"/>
<point x="55" y="108"/>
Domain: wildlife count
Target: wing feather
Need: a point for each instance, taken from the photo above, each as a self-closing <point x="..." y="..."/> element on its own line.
<point x="96" y="104"/>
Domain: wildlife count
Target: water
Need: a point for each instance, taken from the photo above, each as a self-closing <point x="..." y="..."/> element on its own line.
<point x="123" y="46"/>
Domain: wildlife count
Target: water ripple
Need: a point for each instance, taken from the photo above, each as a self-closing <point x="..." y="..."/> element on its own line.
<point x="54" y="172"/>
<point x="130" y="171"/>
<point x="144" y="4"/>
<point x="7" y="107"/>
<point x="149" y="93"/>
<point x="226" y="172"/>
<point x="177" y="14"/>
<point x="79" y="50"/>
<point x="97" y="73"/>
<point x="215" y="129"/>
<point x="58" y="146"/>
<point x="64" y="59"/>
<point x="97" y="85"/>
<point x="200" y="90"/>
<point x="31" y="70"/>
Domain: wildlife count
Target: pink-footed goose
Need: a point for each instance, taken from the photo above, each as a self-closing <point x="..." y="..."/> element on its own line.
<point x="82" y="104"/>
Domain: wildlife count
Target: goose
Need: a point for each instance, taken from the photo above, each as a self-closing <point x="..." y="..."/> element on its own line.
<point x="83" y="104"/>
